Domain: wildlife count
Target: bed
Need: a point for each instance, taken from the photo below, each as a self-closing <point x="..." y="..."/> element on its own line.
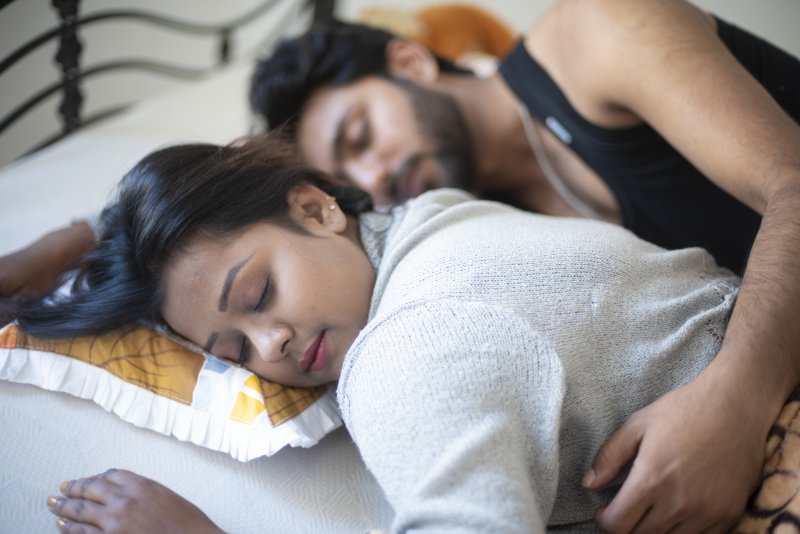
<point x="49" y="437"/>
<point x="66" y="169"/>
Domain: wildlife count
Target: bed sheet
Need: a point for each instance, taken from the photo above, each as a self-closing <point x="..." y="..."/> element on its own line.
<point x="48" y="437"/>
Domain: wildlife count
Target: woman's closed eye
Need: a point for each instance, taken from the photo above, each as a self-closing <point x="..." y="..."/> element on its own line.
<point x="258" y="308"/>
<point x="244" y="352"/>
<point x="265" y="296"/>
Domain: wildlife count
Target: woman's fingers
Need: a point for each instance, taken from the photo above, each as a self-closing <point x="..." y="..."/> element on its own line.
<point x="70" y="527"/>
<point x="76" y="510"/>
<point x="120" y="476"/>
<point x="97" y="488"/>
<point x="124" y="502"/>
<point x="82" y="508"/>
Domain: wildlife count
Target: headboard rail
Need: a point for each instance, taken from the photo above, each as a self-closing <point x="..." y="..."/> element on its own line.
<point x="72" y="73"/>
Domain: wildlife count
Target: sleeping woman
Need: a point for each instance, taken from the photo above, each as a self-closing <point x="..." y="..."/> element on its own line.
<point x="482" y="354"/>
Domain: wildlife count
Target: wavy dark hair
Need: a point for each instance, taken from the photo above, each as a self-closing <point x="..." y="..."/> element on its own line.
<point x="167" y="199"/>
<point x="331" y="52"/>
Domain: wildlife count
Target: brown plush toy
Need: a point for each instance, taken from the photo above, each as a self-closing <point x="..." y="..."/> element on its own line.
<point x="452" y="31"/>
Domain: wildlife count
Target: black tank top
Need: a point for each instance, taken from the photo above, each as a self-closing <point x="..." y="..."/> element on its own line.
<point x="662" y="197"/>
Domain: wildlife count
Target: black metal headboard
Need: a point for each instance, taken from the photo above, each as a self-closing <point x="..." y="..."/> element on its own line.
<point x="73" y="73"/>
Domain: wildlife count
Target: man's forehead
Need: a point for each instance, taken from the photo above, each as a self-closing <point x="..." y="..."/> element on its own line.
<point x="319" y="121"/>
<point x="330" y="98"/>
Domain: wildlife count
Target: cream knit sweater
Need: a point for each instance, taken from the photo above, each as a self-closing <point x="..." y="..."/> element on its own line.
<point x="503" y="348"/>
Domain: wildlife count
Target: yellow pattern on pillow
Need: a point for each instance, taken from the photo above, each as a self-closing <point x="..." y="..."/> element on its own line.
<point x="775" y="504"/>
<point x="153" y="361"/>
<point x="136" y="372"/>
<point x="136" y="354"/>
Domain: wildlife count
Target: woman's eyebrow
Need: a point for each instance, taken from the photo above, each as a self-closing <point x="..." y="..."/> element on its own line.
<point x="226" y="287"/>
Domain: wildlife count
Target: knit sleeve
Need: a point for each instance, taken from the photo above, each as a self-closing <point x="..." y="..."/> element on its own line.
<point x="455" y="408"/>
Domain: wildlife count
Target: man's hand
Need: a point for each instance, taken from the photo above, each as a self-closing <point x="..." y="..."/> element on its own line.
<point x="27" y="272"/>
<point x="124" y="502"/>
<point x="36" y="269"/>
<point x="697" y="454"/>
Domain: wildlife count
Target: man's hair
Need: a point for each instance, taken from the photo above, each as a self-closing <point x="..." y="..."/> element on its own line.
<point x="169" y="198"/>
<point x="331" y="52"/>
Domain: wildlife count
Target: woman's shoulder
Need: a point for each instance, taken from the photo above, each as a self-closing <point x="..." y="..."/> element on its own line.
<point x="419" y="337"/>
<point x="437" y="200"/>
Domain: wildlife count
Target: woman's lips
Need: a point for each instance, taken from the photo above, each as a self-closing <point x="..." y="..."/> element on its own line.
<point x="316" y="355"/>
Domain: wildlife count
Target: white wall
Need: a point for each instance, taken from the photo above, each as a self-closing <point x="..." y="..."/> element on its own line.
<point x="777" y="20"/>
<point x="109" y="40"/>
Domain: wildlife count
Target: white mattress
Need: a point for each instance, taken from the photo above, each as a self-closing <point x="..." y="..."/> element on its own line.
<point x="47" y="437"/>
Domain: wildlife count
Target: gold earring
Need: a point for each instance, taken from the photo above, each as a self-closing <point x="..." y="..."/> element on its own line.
<point x="332" y="200"/>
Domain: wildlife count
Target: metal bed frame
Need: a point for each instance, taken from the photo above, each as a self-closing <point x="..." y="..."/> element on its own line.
<point x="73" y="74"/>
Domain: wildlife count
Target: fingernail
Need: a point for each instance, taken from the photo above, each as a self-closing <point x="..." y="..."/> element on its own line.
<point x="63" y="486"/>
<point x="60" y="523"/>
<point x="588" y="478"/>
<point x="51" y="502"/>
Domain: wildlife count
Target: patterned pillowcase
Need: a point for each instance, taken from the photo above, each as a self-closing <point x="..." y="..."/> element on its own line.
<point x="155" y="381"/>
<point x="775" y="504"/>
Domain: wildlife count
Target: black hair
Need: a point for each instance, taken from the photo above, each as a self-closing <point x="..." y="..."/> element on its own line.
<point x="331" y="52"/>
<point x="167" y="199"/>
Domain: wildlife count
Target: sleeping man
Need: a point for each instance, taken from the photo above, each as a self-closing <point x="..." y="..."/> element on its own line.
<point x="650" y="114"/>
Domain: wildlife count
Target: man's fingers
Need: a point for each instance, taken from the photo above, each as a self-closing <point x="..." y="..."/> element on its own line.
<point x="693" y="523"/>
<point x="720" y="527"/>
<point x="628" y="508"/>
<point x="618" y="451"/>
<point x="656" y="521"/>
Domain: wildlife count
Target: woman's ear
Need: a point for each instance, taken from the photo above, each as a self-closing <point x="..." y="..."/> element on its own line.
<point x="315" y="211"/>
<point x="412" y="61"/>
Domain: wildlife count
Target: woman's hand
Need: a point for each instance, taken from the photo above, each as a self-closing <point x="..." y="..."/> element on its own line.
<point x="697" y="453"/>
<point x="121" y="501"/>
<point x="35" y="269"/>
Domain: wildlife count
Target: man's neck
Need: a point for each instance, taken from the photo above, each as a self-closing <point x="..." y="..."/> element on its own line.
<point x="503" y="158"/>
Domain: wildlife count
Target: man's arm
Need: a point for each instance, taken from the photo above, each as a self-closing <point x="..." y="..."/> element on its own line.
<point x="35" y="269"/>
<point x="663" y="62"/>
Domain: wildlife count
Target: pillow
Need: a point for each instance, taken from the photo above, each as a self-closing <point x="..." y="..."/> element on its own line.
<point x="776" y="501"/>
<point x="159" y="382"/>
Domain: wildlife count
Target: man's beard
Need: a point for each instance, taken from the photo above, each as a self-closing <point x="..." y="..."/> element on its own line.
<point x="442" y="125"/>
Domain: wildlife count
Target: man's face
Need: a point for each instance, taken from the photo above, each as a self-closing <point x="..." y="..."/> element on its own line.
<point x="390" y="138"/>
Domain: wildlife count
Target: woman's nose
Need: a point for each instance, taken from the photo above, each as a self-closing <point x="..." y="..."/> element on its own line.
<point x="271" y="343"/>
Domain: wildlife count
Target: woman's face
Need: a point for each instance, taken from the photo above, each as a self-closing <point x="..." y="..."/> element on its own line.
<point x="286" y="303"/>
